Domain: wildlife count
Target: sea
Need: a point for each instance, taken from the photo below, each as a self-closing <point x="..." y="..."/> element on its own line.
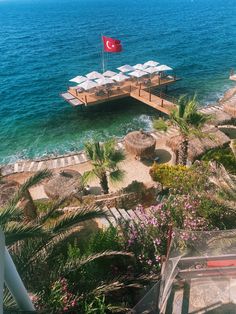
<point x="45" y="43"/>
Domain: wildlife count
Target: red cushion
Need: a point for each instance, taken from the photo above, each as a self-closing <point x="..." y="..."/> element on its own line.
<point x="224" y="263"/>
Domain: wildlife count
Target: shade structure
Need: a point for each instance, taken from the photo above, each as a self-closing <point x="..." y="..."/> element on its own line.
<point x="138" y="73"/>
<point x="7" y="190"/>
<point x="151" y="70"/>
<point x="126" y="68"/>
<point x="109" y="73"/>
<point x="88" y="85"/>
<point x="79" y="79"/>
<point x="63" y="184"/>
<point x="163" y="68"/>
<point x="120" y="77"/>
<point x="197" y="147"/>
<point x="140" y="143"/>
<point x="94" y="75"/>
<point x="150" y="63"/>
<point x="139" y="66"/>
<point x="104" y="81"/>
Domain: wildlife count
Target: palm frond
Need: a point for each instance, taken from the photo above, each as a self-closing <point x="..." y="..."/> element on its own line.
<point x="80" y="262"/>
<point x="73" y="219"/>
<point x="16" y="231"/>
<point x="37" y="178"/>
<point x="44" y="217"/>
<point x="117" y="175"/>
<point x="9" y="213"/>
<point x="160" y="124"/>
<point x="88" y="176"/>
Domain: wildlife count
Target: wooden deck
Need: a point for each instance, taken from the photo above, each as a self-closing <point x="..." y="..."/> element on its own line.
<point x="130" y="88"/>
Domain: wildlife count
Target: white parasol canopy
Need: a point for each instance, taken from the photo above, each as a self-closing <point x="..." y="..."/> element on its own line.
<point x="104" y="81"/>
<point x="109" y="73"/>
<point x="163" y="68"/>
<point x="78" y="79"/>
<point x="151" y="70"/>
<point x="88" y="85"/>
<point x="120" y="77"/>
<point x="94" y="75"/>
<point x="126" y="68"/>
<point x="138" y="73"/>
<point x="151" y="63"/>
<point x="139" y="66"/>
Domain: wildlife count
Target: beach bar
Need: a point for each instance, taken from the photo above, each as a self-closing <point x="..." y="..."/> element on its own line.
<point x="146" y="82"/>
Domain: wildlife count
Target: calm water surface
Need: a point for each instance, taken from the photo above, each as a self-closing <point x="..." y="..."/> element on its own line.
<point x="45" y="43"/>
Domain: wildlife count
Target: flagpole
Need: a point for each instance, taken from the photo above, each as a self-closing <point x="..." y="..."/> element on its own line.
<point x="103" y="61"/>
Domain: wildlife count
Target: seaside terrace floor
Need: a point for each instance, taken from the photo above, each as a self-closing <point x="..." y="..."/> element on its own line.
<point x="144" y="91"/>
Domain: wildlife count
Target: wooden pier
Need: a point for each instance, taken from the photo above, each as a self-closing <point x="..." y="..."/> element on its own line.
<point x="143" y="91"/>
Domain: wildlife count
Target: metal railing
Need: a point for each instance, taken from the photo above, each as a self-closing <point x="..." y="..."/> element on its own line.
<point x="10" y="277"/>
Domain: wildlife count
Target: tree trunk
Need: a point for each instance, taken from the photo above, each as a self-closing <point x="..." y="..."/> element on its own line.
<point x="183" y="152"/>
<point x="104" y="183"/>
<point x="28" y="206"/>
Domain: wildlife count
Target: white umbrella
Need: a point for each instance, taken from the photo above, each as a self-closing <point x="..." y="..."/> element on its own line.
<point x="163" y="68"/>
<point x="151" y="63"/>
<point x="94" y="75"/>
<point x="126" y="68"/>
<point x="139" y="66"/>
<point x="88" y="85"/>
<point x="138" y="73"/>
<point x="109" y="73"/>
<point x="79" y="79"/>
<point x="151" y="70"/>
<point x="104" y="81"/>
<point x="120" y="77"/>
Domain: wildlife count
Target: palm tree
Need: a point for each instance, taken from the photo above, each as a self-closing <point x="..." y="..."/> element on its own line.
<point x="189" y="121"/>
<point x="105" y="159"/>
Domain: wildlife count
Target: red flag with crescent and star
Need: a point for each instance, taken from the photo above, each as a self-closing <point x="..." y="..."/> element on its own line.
<point x="111" y="44"/>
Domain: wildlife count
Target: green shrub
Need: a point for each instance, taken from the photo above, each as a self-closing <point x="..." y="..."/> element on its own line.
<point x="224" y="156"/>
<point x="180" y="178"/>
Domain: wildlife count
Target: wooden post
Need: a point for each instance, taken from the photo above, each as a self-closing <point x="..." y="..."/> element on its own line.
<point x="139" y="92"/>
<point x="86" y="102"/>
<point x="150" y="95"/>
<point x="76" y="92"/>
<point x="159" y="80"/>
<point x="162" y="103"/>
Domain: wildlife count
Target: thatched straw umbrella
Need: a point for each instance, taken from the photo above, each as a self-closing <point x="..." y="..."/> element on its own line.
<point x="197" y="147"/>
<point x="7" y="191"/>
<point x="140" y="143"/>
<point x="64" y="183"/>
<point x="230" y="109"/>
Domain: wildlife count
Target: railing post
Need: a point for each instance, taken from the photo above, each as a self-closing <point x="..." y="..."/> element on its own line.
<point x="2" y="250"/>
<point x="130" y="88"/>
<point x="15" y="284"/>
<point x="150" y="95"/>
<point x="162" y="103"/>
<point x="139" y="91"/>
<point x="86" y="102"/>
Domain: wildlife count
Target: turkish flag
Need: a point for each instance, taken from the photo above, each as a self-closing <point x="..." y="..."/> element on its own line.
<point x="111" y="44"/>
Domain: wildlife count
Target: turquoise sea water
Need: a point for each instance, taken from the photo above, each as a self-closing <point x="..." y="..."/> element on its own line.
<point x="44" y="43"/>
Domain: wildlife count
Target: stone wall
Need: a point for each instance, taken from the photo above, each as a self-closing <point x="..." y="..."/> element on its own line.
<point x="124" y="199"/>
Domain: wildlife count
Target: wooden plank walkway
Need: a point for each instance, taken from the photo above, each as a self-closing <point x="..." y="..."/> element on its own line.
<point x="49" y="163"/>
<point x="153" y="101"/>
<point x="119" y="215"/>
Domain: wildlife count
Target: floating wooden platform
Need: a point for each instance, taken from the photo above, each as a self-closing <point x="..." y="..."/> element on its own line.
<point x="130" y="88"/>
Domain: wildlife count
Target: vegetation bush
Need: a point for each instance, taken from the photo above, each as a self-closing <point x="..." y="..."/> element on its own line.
<point x="224" y="156"/>
<point x="180" y="179"/>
